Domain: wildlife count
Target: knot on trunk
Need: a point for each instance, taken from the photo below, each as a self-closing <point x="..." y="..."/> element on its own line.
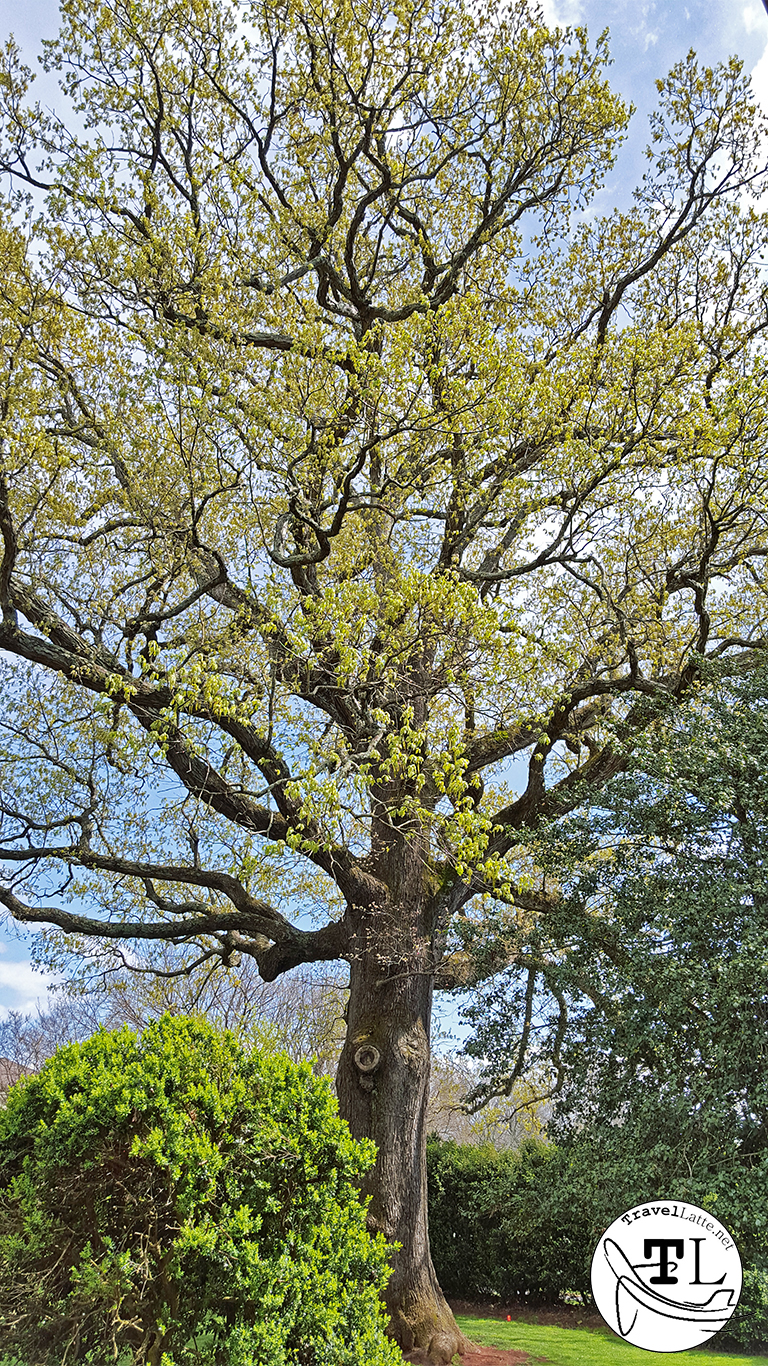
<point x="367" y="1059"/>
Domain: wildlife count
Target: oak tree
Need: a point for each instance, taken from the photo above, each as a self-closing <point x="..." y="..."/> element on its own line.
<point x="347" y="454"/>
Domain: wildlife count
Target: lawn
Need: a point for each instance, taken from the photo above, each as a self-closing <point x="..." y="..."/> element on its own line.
<point x="586" y="1347"/>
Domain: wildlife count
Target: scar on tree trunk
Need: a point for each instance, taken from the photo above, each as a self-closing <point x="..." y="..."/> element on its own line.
<point x="383" y="1088"/>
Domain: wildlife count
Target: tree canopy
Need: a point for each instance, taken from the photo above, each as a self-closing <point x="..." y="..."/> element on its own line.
<point x="347" y="454"/>
<point x="652" y="982"/>
<point x="659" y="946"/>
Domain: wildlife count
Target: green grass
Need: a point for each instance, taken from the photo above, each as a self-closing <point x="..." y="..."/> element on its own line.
<point x="585" y="1347"/>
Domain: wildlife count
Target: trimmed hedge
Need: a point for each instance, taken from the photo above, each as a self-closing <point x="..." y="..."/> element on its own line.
<point x="523" y="1225"/>
<point x="506" y="1223"/>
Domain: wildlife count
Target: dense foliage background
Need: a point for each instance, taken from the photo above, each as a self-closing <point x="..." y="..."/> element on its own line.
<point x="648" y="1023"/>
<point x="521" y="1226"/>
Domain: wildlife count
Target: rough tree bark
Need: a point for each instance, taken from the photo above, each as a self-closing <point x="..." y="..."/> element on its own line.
<point x="383" y="1089"/>
<point x="383" y="1075"/>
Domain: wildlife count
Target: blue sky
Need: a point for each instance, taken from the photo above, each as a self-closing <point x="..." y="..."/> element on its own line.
<point x="646" y="40"/>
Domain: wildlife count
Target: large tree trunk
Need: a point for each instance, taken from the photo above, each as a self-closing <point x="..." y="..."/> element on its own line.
<point x="383" y="1088"/>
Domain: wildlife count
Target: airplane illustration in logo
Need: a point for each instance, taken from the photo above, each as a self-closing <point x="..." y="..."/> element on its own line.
<point x="631" y="1292"/>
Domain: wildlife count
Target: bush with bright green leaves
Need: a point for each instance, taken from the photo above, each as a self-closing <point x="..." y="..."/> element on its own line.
<point x="172" y="1198"/>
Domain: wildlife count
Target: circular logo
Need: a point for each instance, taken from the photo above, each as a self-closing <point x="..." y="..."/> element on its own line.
<point x="666" y="1276"/>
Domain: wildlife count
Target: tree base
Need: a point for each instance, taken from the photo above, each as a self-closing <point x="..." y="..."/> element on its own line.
<point x="429" y="1330"/>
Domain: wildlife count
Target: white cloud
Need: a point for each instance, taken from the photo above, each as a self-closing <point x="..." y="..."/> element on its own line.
<point x="561" y="13"/>
<point x="760" y="80"/>
<point x="753" y="16"/>
<point x="22" y="987"/>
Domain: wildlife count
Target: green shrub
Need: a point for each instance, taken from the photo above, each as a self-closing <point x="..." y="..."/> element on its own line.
<point x="748" y="1329"/>
<point x="524" y="1225"/>
<point x="507" y="1224"/>
<point x="459" y="1227"/>
<point x="170" y="1199"/>
<point x="614" y="1167"/>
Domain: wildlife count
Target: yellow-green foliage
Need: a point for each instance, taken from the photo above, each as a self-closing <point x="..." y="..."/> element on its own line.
<point x="342" y="458"/>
